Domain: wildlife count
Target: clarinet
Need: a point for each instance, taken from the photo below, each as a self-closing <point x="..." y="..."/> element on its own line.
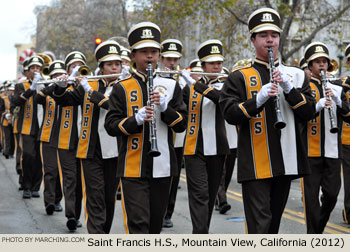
<point x="279" y="124"/>
<point x="334" y="127"/>
<point x="154" y="152"/>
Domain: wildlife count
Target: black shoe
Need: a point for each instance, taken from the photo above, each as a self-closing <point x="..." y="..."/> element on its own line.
<point x="20" y="188"/>
<point x="224" y="208"/>
<point x="7" y="156"/>
<point x="216" y="207"/>
<point x="35" y="194"/>
<point x="27" y="194"/>
<point x="49" y="209"/>
<point x="71" y="224"/>
<point x="58" y="207"/>
<point x="79" y="225"/>
<point x="167" y="223"/>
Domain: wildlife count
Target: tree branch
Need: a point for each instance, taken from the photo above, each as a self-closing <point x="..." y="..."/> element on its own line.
<point x="317" y="29"/>
<point x="233" y="14"/>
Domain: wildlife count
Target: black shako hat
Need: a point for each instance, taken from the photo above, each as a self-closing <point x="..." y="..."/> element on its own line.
<point x="144" y="34"/>
<point x="264" y="19"/>
<point x="107" y="51"/>
<point x="57" y="66"/>
<point x="347" y="52"/>
<point x="316" y="50"/>
<point x="171" y="48"/>
<point x="74" y="56"/>
<point x="195" y="66"/>
<point x="35" y="60"/>
<point x="210" y="51"/>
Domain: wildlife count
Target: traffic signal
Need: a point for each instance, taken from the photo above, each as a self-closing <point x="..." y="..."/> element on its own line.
<point x="98" y="41"/>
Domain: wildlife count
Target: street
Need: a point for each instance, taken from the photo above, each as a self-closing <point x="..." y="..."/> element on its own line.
<point x="28" y="216"/>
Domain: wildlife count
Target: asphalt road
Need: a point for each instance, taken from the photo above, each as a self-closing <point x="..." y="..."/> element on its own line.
<point x="28" y="216"/>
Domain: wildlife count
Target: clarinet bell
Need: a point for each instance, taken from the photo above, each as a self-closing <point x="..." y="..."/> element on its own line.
<point x="154" y="152"/>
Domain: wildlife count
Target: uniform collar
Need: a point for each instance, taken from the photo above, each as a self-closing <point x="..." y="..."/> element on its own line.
<point x="315" y="80"/>
<point x="264" y="63"/>
<point x="210" y="81"/>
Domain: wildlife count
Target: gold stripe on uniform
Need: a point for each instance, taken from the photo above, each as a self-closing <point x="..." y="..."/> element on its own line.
<point x="66" y="126"/>
<point x="346" y="128"/>
<point x="48" y="120"/>
<point x="133" y="156"/>
<point x="193" y="122"/>
<point x="84" y="190"/>
<point x="28" y="112"/>
<point x="86" y="122"/>
<point x="314" y="128"/>
<point x="177" y="120"/>
<point x="125" y="215"/>
<point x="258" y="129"/>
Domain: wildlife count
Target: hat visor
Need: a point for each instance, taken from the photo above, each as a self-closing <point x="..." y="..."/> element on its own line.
<point x="35" y="63"/>
<point x="110" y="58"/>
<point x="213" y="59"/>
<point x="318" y="55"/>
<point x="266" y="27"/>
<point x="62" y="71"/>
<point x="171" y="55"/>
<point x="197" y="69"/>
<point x="126" y="58"/>
<point x="146" y="44"/>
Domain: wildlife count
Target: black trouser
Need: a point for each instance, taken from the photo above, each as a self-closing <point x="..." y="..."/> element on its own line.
<point x="18" y="152"/>
<point x="203" y="179"/>
<point x="325" y="175"/>
<point x="264" y="202"/>
<point x="78" y="191"/>
<point x="31" y="164"/>
<point x="226" y="177"/>
<point x="100" y="185"/>
<point x="67" y="164"/>
<point x="346" y="177"/>
<point x="174" y="184"/>
<point x="9" y="143"/>
<point x="144" y="204"/>
<point x="52" y="183"/>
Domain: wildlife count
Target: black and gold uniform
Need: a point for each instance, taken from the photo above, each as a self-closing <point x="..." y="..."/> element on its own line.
<point x="206" y="142"/>
<point x="28" y="128"/>
<point x="268" y="158"/>
<point x="96" y="150"/>
<point x="145" y="180"/>
<point x="323" y="147"/>
<point x="48" y="152"/>
<point x="6" y="122"/>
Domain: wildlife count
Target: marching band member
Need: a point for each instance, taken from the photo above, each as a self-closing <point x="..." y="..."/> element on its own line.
<point x="206" y="143"/>
<point x="346" y="150"/>
<point x="28" y="128"/>
<point x="6" y="120"/>
<point x="268" y="158"/>
<point x="97" y="151"/>
<point x="303" y="66"/>
<point x="145" y="180"/>
<point x="170" y="57"/>
<point x="323" y="147"/>
<point x="48" y="153"/>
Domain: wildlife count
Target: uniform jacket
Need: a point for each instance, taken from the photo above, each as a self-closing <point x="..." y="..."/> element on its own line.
<point x="206" y="131"/>
<point x="263" y="151"/>
<point x="27" y="123"/>
<point x="127" y="97"/>
<point x="322" y="143"/>
<point x="92" y="133"/>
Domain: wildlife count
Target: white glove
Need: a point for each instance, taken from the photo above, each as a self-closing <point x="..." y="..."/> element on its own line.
<point x="141" y="116"/>
<point x="71" y="76"/>
<point x="39" y="87"/>
<point x="62" y="83"/>
<point x="321" y="104"/>
<point x="163" y="105"/>
<point x="125" y="72"/>
<point x="263" y="95"/>
<point x="337" y="99"/>
<point x="8" y="116"/>
<point x="187" y="76"/>
<point x="85" y="84"/>
<point x="37" y="77"/>
<point x="286" y="85"/>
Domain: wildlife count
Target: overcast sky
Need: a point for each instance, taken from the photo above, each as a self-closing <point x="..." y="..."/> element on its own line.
<point x="17" y="24"/>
